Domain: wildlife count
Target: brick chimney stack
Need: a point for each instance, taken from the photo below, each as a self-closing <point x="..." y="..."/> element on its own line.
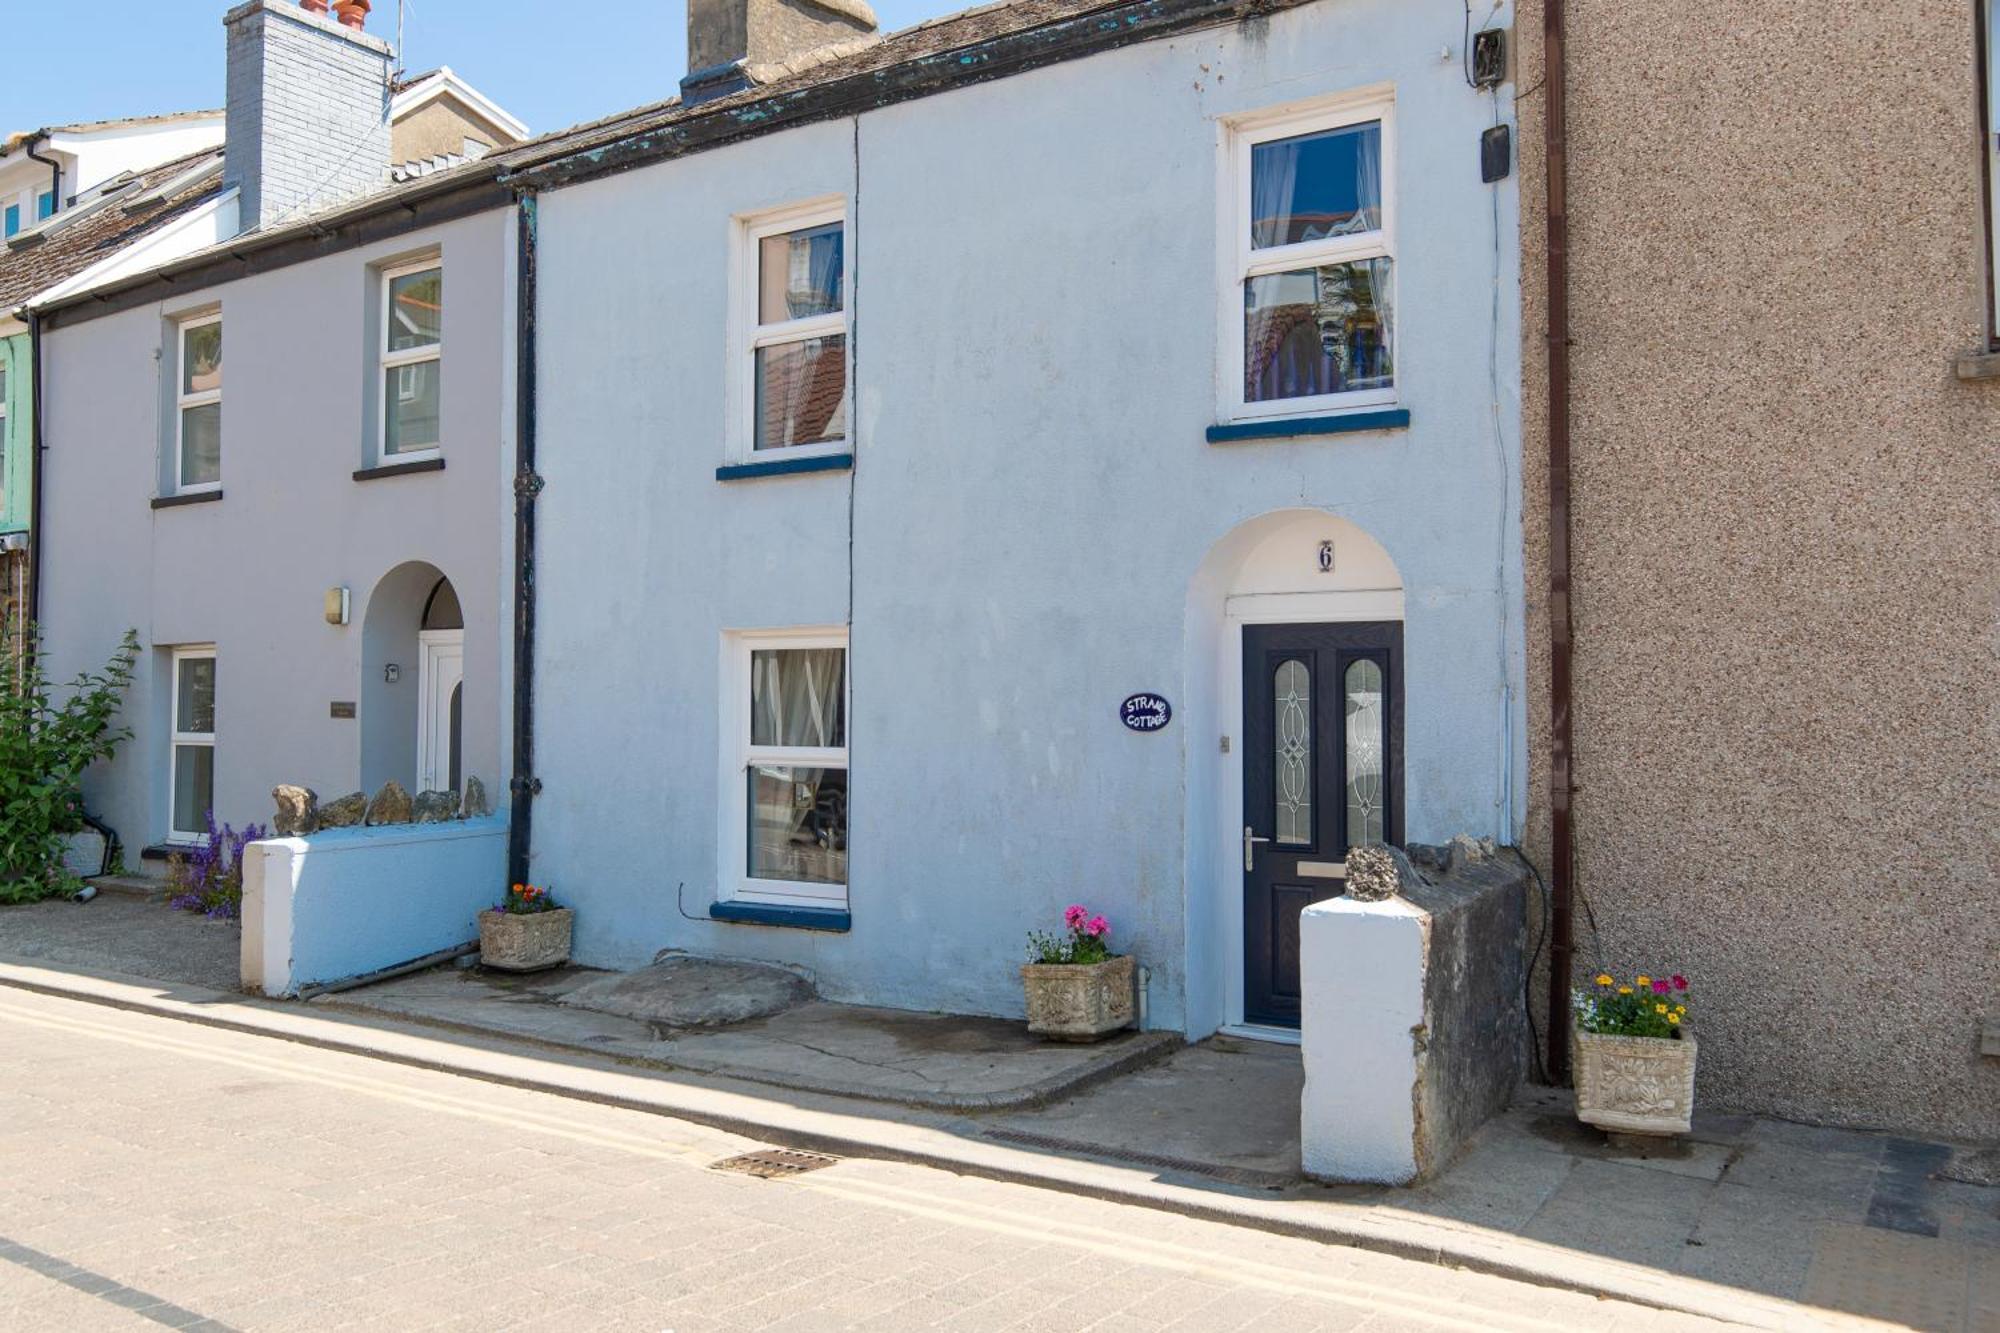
<point x="308" y="107"/>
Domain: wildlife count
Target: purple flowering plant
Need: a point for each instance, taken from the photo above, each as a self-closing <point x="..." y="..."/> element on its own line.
<point x="208" y="877"/>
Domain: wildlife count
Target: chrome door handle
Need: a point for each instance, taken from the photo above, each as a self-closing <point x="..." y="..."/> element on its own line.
<point x="1249" y="848"/>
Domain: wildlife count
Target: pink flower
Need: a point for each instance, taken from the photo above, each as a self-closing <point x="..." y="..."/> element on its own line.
<point x="1074" y="914"/>
<point x="1097" y="927"/>
<point x="1680" y="982"/>
<point x="1659" y="988"/>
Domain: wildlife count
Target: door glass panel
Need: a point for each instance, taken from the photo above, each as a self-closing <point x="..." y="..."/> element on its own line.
<point x="1292" y="744"/>
<point x="1363" y="690"/>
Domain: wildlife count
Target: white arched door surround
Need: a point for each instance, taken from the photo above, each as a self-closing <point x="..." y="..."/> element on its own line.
<point x="1298" y="567"/>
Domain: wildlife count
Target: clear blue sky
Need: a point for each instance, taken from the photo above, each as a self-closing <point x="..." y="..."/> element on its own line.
<point x="550" y="62"/>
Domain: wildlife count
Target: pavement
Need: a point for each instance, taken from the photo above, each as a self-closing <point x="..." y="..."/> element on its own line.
<point x="1757" y="1221"/>
<point x="165" y="1174"/>
<point x="934" y="1061"/>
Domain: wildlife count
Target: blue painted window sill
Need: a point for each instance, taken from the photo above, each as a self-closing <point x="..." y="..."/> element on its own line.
<point x="784" y="467"/>
<point x="1291" y="428"/>
<point x="769" y="914"/>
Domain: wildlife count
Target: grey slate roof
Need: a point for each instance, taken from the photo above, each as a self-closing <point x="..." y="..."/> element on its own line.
<point x="913" y="62"/>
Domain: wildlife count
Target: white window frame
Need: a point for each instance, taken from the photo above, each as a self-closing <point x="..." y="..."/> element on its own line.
<point x="1241" y="262"/>
<point x="386" y="361"/>
<point x="747" y="335"/>
<point x="179" y="738"/>
<point x="738" y="755"/>
<point x="183" y="401"/>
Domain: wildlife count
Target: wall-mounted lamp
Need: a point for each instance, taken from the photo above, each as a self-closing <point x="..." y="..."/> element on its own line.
<point x="391" y="674"/>
<point x="336" y="606"/>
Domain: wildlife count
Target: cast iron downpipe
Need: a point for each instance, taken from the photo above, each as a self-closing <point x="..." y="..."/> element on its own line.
<point x="527" y="485"/>
<point x="55" y="171"/>
<point x="1561" y="786"/>
<point x="37" y="465"/>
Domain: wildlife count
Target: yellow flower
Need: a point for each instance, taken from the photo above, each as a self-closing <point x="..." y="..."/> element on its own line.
<point x="1680" y="1008"/>
<point x="1604" y="978"/>
<point x="1644" y="981"/>
<point x="1624" y="990"/>
<point x="1675" y="1019"/>
<point x="1659" y="1008"/>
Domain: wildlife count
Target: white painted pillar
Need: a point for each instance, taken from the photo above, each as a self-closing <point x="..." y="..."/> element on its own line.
<point x="1361" y="972"/>
<point x="270" y="879"/>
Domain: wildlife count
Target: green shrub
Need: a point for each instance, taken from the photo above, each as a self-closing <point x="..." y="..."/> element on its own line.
<point x="45" y="745"/>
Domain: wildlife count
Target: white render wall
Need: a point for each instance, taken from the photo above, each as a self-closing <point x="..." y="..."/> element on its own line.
<point x="248" y="572"/>
<point x="1035" y="297"/>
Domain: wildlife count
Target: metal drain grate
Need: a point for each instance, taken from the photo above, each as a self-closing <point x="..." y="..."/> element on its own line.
<point x="774" y="1163"/>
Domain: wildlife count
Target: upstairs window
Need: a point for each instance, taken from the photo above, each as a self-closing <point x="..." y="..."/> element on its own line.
<point x="1314" y="282"/>
<point x="412" y="356"/>
<point x="13" y="221"/>
<point x="45" y="205"/>
<point x="796" y="359"/>
<point x="198" y="405"/>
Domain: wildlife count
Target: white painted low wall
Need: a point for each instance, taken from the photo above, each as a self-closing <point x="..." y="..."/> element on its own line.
<point x="346" y="902"/>
<point x="1361" y="974"/>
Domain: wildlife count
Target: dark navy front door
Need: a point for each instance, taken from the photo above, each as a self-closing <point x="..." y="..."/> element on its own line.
<point x="1322" y="772"/>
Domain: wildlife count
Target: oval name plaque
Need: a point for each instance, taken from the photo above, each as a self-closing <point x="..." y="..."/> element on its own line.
<point x="1146" y="712"/>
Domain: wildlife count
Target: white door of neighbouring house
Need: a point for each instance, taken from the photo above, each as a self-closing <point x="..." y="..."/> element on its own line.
<point x="440" y="694"/>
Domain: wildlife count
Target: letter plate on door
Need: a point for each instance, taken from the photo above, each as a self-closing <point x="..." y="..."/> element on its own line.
<point x="1323" y="869"/>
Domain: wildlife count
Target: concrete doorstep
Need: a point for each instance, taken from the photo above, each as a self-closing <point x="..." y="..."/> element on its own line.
<point x="1438" y="1227"/>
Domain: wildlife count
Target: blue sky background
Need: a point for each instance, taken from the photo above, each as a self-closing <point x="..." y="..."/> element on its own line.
<point x="550" y="62"/>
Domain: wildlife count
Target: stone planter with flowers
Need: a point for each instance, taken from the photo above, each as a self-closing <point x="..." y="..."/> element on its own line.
<point x="1633" y="1054"/>
<point x="525" y="931"/>
<point x="1077" y="989"/>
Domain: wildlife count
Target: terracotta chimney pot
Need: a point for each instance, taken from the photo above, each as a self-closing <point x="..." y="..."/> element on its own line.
<point x="313" y="6"/>
<point x="353" y="13"/>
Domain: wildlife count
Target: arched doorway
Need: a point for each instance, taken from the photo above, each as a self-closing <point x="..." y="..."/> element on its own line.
<point x="1295" y="651"/>
<point x="413" y="681"/>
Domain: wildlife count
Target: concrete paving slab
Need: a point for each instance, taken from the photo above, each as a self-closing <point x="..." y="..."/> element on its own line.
<point x="938" y="1061"/>
<point x="693" y="992"/>
<point x="1226" y="1108"/>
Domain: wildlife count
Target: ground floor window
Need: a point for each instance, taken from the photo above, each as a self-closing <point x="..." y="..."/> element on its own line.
<point x="786" y="835"/>
<point x="191" y="775"/>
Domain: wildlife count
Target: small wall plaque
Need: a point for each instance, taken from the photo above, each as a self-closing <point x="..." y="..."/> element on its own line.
<point x="341" y="708"/>
<point x="1146" y="712"/>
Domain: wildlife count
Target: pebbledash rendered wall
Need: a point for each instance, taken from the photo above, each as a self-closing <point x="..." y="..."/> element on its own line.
<point x="248" y="573"/>
<point x="1784" y="540"/>
<point x="1035" y="526"/>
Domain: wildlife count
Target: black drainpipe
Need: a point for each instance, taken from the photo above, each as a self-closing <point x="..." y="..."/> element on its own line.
<point x="55" y="170"/>
<point x="527" y="485"/>
<point x="37" y="465"/>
